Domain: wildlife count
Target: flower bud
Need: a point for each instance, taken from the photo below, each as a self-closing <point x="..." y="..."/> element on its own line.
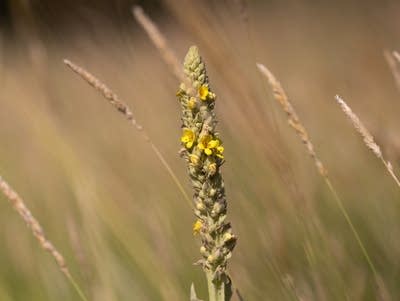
<point x="200" y="206"/>
<point x="203" y="251"/>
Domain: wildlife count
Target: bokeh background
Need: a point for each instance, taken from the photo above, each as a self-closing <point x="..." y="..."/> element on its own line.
<point x="111" y="208"/>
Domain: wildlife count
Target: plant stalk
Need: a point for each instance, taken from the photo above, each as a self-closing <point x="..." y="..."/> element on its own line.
<point x="216" y="291"/>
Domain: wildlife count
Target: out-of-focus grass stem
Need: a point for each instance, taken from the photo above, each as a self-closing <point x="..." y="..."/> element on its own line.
<point x="123" y="108"/>
<point x="20" y="206"/>
<point x="294" y="121"/>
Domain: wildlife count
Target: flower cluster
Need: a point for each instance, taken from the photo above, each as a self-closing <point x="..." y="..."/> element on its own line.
<point x="204" y="154"/>
<point x="211" y="146"/>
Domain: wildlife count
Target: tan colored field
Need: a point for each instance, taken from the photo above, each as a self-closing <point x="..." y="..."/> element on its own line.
<point x="111" y="208"/>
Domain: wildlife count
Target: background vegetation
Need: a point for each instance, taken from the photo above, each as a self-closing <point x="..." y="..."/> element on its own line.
<point x="110" y="207"/>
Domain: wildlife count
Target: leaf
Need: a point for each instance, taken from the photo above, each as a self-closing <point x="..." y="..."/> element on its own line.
<point x="193" y="295"/>
<point x="228" y="289"/>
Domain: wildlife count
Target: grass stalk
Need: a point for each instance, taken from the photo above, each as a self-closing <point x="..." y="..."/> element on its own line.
<point x="367" y="137"/>
<point x="19" y="205"/>
<point x="159" y="41"/>
<point x="294" y="121"/>
<point x="216" y="291"/>
<point x="393" y="61"/>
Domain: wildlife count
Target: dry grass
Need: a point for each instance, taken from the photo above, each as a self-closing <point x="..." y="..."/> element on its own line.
<point x="126" y="111"/>
<point x="367" y="137"/>
<point x="293" y="119"/>
<point x="19" y="205"/>
<point x="300" y="130"/>
<point x="72" y="157"/>
<point x="393" y="61"/>
<point x="159" y="41"/>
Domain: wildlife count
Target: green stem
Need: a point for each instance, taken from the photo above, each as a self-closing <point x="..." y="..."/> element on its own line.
<point x="216" y="291"/>
<point x="352" y="227"/>
<point x="76" y="286"/>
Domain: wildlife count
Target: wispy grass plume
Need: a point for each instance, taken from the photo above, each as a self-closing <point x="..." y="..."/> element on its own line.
<point x="295" y="123"/>
<point x="396" y="55"/>
<point x="123" y="108"/>
<point x="367" y="137"/>
<point x="393" y="61"/>
<point x="159" y="41"/>
<point x="19" y="205"/>
<point x="293" y="119"/>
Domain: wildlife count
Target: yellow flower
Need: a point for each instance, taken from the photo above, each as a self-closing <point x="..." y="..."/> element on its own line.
<point x="213" y="143"/>
<point x="207" y="143"/>
<point x="197" y="227"/>
<point x="203" y="92"/>
<point x="220" y="150"/>
<point x="188" y="138"/>
<point x="204" y="144"/>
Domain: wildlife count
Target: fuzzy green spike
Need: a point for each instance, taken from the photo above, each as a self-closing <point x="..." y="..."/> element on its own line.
<point x="194" y="68"/>
<point x="203" y="152"/>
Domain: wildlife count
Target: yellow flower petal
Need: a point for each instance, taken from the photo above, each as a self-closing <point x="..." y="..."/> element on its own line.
<point x="203" y="142"/>
<point x="197" y="227"/>
<point x="208" y="151"/>
<point x="203" y="92"/>
<point x="188" y="138"/>
<point x="213" y="144"/>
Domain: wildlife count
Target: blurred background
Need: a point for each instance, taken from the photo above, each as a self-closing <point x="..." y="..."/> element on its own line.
<point x="111" y="208"/>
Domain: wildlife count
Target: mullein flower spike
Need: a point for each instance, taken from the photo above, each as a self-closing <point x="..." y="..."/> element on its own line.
<point x="203" y="152"/>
